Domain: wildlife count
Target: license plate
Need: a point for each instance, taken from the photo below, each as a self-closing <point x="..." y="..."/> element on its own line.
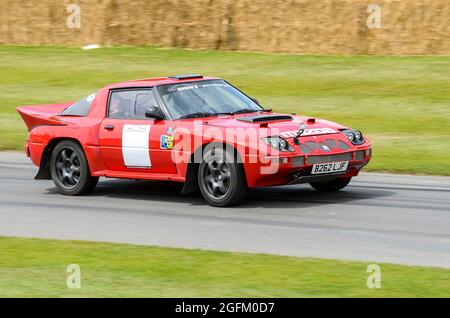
<point x="331" y="167"/>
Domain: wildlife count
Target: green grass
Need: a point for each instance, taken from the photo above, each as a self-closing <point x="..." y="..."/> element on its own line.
<point x="401" y="103"/>
<point x="37" y="268"/>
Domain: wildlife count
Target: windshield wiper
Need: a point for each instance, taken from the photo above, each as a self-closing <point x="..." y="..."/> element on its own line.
<point x="197" y="115"/>
<point x="240" y="111"/>
<point x="243" y="111"/>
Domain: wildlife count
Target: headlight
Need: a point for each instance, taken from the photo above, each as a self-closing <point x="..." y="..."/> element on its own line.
<point x="355" y="136"/>
<point x="351" y="136"/>
<point x="278" y="143"/>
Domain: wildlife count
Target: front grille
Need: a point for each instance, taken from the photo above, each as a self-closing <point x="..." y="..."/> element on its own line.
<point x="324" y="147"/>
<point x="298" y="161"/>
<point x="329" y="158"/>
<point x="305" y="149"/>
<point x="359" y="155"/>
<point x="331" y="143"/>
<point x="311" y="144"/>
<point x="343" y="145"/>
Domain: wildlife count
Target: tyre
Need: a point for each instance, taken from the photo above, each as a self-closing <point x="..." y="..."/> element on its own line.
<point x="221" y="179"/>
<point x="70" y="170"/>
<point x="330" y="186"/>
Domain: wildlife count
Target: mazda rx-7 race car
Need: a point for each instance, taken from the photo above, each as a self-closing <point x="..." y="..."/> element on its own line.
<point x="201" y="131"/>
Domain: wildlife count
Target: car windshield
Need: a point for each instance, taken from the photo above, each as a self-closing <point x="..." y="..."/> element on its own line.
<point x="204" y="98"/>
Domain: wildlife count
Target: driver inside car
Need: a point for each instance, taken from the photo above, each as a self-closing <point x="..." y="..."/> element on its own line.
<point x="118" y="108"/>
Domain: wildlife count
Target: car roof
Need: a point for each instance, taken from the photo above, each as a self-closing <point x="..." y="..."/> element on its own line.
<point x="149" y="82"/>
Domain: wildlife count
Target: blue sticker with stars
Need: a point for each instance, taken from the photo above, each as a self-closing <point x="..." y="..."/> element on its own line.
<point x="166" y="142"/>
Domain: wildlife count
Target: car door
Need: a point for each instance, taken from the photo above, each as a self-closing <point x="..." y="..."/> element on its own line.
<point x="129" y="141"/>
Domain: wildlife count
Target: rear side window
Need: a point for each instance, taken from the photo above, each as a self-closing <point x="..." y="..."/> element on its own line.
<point x="80" y="108"/>
<point x="130" y="104"/>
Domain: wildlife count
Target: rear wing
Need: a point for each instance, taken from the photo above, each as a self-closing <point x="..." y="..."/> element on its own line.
<point x="42" y="115"/>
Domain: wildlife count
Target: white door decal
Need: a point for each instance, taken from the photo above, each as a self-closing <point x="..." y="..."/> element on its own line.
<point x="135" y="146"/>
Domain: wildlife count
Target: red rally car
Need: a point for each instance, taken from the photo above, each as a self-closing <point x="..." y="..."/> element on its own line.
<point x="201" y="131"/>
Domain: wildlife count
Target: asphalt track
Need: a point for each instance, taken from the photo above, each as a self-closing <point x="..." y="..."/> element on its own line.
<point x="378" y="218"/>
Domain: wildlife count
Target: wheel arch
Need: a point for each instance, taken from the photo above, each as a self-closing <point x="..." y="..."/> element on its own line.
<point x="44" y="166"/>
<point x="191" y="182"/>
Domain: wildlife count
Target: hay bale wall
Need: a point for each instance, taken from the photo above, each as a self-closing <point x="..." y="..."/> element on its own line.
<point x="300" y="26"/>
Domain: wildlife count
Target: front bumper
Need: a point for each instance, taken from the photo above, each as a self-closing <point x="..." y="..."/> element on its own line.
<point x="317" y="178"/>
<point x="293" y="168"/>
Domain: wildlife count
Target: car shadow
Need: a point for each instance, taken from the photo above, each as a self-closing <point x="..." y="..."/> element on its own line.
<point x="296" y="196"/>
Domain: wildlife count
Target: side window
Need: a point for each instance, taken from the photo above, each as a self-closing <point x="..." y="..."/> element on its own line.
<point x="130" y="104"/>
<point x="80" y="108"/>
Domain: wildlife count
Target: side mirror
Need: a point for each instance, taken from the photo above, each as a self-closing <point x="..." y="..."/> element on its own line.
<point x="154" y="112"/>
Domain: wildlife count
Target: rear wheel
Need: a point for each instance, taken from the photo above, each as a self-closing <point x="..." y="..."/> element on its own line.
<point x="221" y="179"/>
<point x="330" y="186"/>
<point x="70" y="170"/>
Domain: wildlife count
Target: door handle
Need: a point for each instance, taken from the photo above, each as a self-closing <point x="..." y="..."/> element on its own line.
<point x="109" y="127"/>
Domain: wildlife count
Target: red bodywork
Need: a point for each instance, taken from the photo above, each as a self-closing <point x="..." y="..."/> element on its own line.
<point x="103" y="147"/>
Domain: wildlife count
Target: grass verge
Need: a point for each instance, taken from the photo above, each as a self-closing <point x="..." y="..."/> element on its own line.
<point x="37" y="268"/>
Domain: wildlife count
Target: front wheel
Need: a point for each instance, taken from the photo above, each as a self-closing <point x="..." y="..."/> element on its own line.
<point x="70" y="170"/>
<point x="330" y="186"/>
<point x="221" y="179"/>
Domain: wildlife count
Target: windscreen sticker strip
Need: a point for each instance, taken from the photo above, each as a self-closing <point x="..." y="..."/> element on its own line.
<point x="135" y="146"/>
<point x="309" y="132"/>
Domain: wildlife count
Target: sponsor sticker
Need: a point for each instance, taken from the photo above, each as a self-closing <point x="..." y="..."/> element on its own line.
<point x="90" y="98"/>
<point x="166" y="142"/>
<point x="170" y="131"/>
<point x="135" y="146"/>
<point x="308" y="132"/>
